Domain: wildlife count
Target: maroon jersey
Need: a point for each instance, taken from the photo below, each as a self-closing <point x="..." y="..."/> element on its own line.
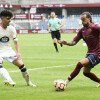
<point x="91" y="35"/>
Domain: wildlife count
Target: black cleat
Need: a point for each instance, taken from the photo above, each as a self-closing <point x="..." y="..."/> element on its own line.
<point x="57" y="51"/>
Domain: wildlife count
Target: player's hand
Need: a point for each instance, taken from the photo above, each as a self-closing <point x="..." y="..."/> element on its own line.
<point x="18" y="56"/>
<point x="64" y="42"/>
<point x="57" y="28"/>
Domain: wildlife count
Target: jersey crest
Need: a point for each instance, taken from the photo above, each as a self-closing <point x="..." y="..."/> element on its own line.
<point x="4" y="39"/>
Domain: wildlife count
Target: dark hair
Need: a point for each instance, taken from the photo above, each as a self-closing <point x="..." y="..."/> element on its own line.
<point x="6" y="13"/>
<point x="88" y="15"/>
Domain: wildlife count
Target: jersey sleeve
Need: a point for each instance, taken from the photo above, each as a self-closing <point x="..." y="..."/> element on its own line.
<point x="59" y="21"/>
<point x="80" y="22"/>
<point x="78" y="36"/>
<point x="96" y="27"/>
<point x="14" y="34"/>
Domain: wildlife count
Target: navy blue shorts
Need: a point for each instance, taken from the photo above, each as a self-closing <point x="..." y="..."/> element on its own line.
<point x="93" y="59"/>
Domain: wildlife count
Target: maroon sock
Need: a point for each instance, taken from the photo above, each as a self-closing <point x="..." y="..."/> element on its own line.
<point x="92" y="76"/>
<point x="76" y="71"/>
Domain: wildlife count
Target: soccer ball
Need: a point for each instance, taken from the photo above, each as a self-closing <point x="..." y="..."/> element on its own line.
<point x="59" y="85"/>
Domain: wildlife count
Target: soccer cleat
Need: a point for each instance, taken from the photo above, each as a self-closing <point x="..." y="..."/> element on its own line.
<point x="57" y="51"/>
<point x="31" y="84"/>
<point x="66" y="82"/>
<point x="9" y="83"/>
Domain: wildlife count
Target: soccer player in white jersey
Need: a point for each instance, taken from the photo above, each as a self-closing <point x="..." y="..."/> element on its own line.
<point x="79" y="26"/>
<point x="7" y="34"/>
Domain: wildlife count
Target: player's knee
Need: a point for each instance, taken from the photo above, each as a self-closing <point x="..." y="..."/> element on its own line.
<point x="54" y="40"/>
<point x="22" y="68"/>
<point x="79" y="65"/>
<point x="84" y="62"/>
<point x="1" y="65"/>
<point x="85" y="74"/>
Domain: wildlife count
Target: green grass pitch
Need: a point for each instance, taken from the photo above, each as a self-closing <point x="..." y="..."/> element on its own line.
<point x="38" y="54"/>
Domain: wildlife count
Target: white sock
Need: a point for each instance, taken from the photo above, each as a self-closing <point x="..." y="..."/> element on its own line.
<point x="67" y="81"/>
<point x="4" y="73"/>
<point x="26" y="77"/>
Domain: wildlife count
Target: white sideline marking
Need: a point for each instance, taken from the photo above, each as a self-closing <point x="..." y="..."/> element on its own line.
<point x="44" y="68"/>
<point x="48" y="58"/>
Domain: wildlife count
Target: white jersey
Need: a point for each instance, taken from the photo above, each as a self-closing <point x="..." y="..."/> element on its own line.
<point x="6" y="36"/>
<point x="80" y="23"/>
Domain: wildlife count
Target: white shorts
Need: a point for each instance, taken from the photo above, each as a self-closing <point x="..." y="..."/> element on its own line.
<point x="8" y="54"/>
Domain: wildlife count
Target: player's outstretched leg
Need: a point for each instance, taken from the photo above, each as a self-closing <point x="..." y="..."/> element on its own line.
<point x="26" y="76"/>
<point x="74" y="73"/>
<point x="91" y="75"/>
<point x="86" y="71"/>
<point x="4" y="73"/>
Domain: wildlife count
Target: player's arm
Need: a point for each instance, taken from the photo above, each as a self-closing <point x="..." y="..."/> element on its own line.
<point x="17" y="49"/>
<point x="15" y="39"/>
<point x="49" y="30"/>
<point x="71" y="43"/>
<point x="59" y="26"/>
<point x="75" y="40"/>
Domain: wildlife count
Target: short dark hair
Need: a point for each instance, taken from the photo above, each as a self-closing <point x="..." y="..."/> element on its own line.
<point x="88" y="15"/>
<point x="6" y="13"/>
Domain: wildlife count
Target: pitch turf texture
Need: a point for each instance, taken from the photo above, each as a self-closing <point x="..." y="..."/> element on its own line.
<point x="38" y="54"/>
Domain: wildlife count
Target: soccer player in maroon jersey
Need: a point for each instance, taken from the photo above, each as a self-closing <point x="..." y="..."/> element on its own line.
<point x="90" y="33"/>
